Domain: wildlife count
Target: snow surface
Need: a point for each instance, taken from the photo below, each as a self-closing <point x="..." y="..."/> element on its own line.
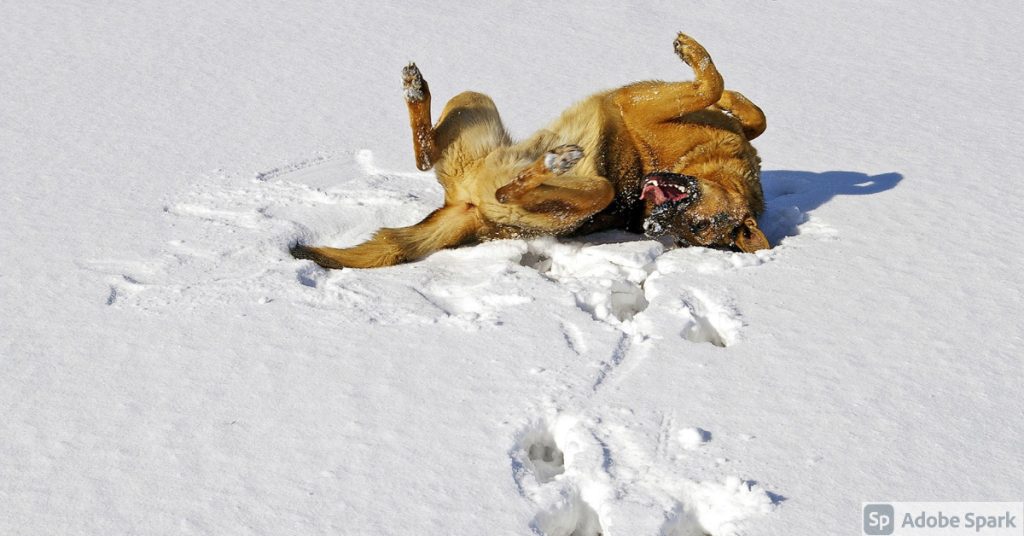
<point x="166" y="368"/>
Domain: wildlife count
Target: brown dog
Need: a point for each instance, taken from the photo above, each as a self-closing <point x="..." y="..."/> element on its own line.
<point x="666" y="158"/>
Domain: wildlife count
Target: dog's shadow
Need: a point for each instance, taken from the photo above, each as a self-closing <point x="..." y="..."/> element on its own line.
<point x="791" y="195"/>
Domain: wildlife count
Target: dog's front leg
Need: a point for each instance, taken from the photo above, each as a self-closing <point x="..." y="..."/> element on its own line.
<point x="417" y="98"/>
<point x="644" y="104"/>
<point x="751" y="117"/>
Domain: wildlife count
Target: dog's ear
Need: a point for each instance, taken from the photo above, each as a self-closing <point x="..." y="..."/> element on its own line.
<point x="749" y="238"/>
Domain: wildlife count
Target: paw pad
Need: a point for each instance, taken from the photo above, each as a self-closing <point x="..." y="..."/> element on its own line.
<point x="688" y="49"/>
<point x="563" y="158"/>
<point x="412" y="83"/>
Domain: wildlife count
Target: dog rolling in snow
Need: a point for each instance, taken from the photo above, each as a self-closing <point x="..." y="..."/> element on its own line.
<point x="665" y="158"/>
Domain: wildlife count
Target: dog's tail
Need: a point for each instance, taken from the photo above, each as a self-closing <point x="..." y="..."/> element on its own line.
<point x="446" y="227"/>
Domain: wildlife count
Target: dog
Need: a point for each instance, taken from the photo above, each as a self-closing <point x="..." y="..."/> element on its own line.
<point x="669" y="159"/>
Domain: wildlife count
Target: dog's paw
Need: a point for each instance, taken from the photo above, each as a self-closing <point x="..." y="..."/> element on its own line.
<point x="689" y="50"/>
<point x="412" y="83"/>
<point x="562" y="158"/>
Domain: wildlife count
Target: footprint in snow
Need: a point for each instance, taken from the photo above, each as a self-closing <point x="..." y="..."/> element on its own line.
<point x="590" y="478"/>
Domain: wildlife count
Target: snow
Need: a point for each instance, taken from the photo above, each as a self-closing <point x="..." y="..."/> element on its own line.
<point x="692" y="438"/>
<point x="166" y="367"/>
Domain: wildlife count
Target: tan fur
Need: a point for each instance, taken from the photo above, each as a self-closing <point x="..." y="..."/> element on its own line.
<point x="495" y="188"/>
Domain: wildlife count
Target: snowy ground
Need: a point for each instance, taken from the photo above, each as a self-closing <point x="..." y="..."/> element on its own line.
<point x="165" y="367"/>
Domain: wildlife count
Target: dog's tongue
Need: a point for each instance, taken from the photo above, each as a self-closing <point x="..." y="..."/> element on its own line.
<point x="653" y="192"/>
<point x="662" y="194"/>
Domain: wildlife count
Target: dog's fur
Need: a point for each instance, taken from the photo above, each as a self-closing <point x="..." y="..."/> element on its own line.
<point x="585" y="172"/>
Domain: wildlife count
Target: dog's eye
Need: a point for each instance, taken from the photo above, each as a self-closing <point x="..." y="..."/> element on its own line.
<point x="699" y="226"/>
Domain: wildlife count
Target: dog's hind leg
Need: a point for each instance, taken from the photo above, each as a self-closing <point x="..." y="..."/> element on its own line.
<point x="649" y="103"/>
<point x="417" y="99"/>
<point x="469" y="126"/>
<point x="749" y="115"/>
<point x="468" y="130"/>
<point x="563" y="203"/>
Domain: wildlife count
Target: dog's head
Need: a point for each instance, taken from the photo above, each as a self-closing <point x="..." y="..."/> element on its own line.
<point x="699" y="213"/>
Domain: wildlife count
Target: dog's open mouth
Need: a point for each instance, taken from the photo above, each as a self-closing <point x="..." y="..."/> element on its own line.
<point x="668" y="187"/>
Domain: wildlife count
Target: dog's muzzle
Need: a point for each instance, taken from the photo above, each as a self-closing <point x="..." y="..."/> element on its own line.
<point x="670" y="193"/>
<point x="662" y="187"/>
